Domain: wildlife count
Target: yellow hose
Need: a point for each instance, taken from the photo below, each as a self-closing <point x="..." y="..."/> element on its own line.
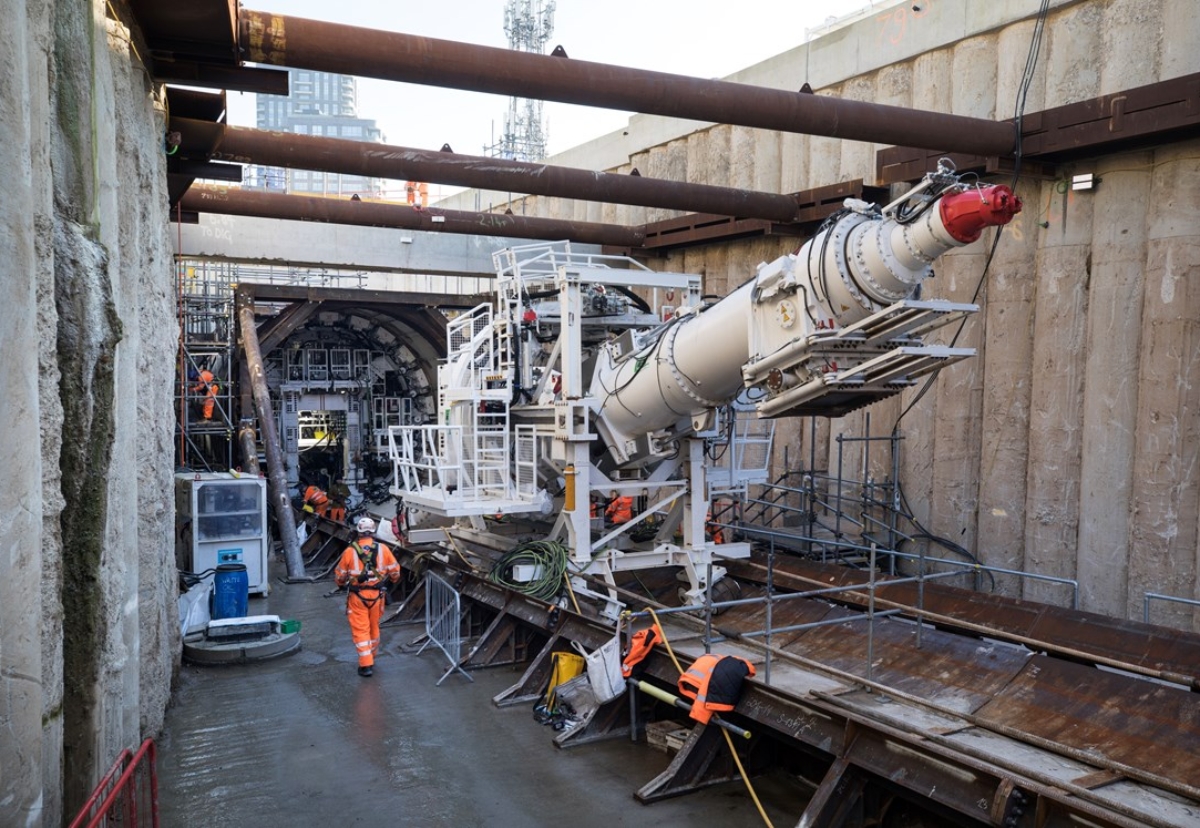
<point x="728" y="739"/>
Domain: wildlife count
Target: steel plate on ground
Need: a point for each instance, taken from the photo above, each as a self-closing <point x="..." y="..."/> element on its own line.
<point x="1112" y="717"/>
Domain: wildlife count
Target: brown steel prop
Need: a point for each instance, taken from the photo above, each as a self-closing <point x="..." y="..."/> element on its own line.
<point x="280" y="40"/>
<point x="338" y="155"/>
<point x="204" y="198"/>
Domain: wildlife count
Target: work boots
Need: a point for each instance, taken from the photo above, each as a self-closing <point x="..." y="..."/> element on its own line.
<point x="365" y="672"/>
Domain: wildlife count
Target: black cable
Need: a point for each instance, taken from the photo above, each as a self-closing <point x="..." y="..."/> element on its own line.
<point x="638" y="301"/>
<point x="925" y="534"/>
<point x="1035" y="43"/>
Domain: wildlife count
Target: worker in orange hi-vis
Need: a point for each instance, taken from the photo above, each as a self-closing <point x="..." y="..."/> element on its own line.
<point x="208" y="385"/>
<point x="365" y="567"/>
<point x="316" y="501"/>
<point x="413" y="189"/>
<point x="620" y="509"/>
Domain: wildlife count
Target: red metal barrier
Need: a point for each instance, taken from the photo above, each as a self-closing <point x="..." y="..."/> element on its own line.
<point x="126" y="796"/>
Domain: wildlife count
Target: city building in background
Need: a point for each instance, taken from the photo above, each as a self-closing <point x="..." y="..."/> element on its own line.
<point x="320" y="103"/>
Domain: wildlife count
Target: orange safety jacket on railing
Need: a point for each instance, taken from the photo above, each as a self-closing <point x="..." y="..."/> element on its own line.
<point x="640" y="646"/>
<point x="714" y="683"/>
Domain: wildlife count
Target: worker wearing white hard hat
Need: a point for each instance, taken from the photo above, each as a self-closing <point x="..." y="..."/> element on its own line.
<point x="366" y="566"/>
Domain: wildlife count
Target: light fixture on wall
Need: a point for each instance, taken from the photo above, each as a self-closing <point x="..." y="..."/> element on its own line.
<point x="1085" y="181"/>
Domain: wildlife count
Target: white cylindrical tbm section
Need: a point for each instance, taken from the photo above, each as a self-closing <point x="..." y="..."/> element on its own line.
<point x="864" y="262"/>
<point x="694" y="365"/>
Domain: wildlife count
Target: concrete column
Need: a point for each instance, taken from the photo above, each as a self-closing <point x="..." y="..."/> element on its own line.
<point x="824" y="158"/>
<point x="1127" y="29"/>
<point x="959" y="392"/>
<point x="931" y="89"/>
<point x="1056" y="415"/>
<point x="793" y="163"/>
<point x="974" y="77"/>
<point x="717" y="162"/>
<point x="1007" y="317"/>
<point x="1112" y="384"/>
<point x="1072" y="46"/>
<point x="742" y="161"/>
<point x="857" y="157"/>
<point x="669" y="163"/>
<point x="767" y="162"/>
<point x="1163" y="536"/>
<point x="1180" y="33"/>
<point x="26" y="747"/>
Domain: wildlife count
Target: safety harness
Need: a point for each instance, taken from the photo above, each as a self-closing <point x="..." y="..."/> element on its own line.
<point x="369" y="570"/>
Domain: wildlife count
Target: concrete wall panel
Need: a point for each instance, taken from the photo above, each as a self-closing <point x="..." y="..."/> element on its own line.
<point x="29" y="689"/>
<point x="1008" y="316"/>
<point x="1111" y="385"/>
<point x="1052" y="504"/>
<point x="1071" y="48"/>
<point x="1163" y="536"/>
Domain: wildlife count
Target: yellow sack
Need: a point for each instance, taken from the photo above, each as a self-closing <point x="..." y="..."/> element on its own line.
<point x="563" y="668"/>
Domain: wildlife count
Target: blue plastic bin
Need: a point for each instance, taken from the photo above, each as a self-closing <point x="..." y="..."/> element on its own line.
<point x="231" y="591"/>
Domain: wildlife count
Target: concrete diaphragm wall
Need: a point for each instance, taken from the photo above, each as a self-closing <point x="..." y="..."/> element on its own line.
<point x="88" y="643"/>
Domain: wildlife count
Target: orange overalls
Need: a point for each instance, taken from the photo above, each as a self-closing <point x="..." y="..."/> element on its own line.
<point x="207" y="384"/>
<point x="364" y="566"/>
<point x="315" y="498"/>
<point x="714" y="530"/>
<point x="620" y="510"/>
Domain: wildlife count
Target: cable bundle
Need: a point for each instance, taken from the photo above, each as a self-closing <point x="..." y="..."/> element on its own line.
<point x="549" y="558"/>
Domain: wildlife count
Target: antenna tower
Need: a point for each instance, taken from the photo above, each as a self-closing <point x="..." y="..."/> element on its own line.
<point x="528" y="24"/>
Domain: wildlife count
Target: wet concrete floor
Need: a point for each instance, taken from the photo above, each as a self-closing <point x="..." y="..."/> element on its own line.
<point x="303" y="740"/>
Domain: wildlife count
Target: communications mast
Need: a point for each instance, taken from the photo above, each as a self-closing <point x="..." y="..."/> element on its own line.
<point x="528" y="24"/>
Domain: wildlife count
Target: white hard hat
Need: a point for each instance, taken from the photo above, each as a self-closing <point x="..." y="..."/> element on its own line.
<point x="365" y="526"/>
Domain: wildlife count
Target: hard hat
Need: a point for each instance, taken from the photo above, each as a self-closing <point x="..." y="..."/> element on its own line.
<point x="365" y="526"/>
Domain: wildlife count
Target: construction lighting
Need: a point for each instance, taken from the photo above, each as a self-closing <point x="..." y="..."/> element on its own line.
<point x="1085" y="181"/>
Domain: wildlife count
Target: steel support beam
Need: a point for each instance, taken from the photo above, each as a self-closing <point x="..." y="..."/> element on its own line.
<point x="245" y="145"/>
<point x="286" y="323"/>
<point x="276" y="477"/>
<point x="280" y="40"/>
<point x="703" y="761"/>
<point x="1145" y="115"/>
<point x="237" y="202"/>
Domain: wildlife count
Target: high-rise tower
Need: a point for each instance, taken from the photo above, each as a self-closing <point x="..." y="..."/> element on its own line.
<point x="320" y="103"/>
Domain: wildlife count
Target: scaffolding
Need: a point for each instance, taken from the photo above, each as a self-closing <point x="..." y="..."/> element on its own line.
<point x="208" y="342"/>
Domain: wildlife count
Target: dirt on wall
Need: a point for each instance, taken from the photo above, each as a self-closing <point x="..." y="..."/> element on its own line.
<point x="89" y="593"/>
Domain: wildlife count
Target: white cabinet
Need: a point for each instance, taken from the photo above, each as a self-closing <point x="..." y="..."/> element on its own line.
<point x="222" y="519"/>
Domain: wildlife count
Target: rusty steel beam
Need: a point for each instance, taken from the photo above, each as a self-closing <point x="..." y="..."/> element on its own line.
<point x="237" y="202"/>
<point x="280" y="40"/>
<point x="1143" y="116"/>
<point x="339" y="155"/>
<point x="276" y="476"/>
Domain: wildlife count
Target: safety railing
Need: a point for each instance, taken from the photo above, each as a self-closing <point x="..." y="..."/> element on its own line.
<point x="435" y="461"/>
<point x="1154" y="596"/>
<point x="443" y="622"/>
<point x="127" y="796"/>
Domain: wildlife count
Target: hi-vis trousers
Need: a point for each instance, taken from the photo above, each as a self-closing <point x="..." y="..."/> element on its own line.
<point x="364" y="607"/>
